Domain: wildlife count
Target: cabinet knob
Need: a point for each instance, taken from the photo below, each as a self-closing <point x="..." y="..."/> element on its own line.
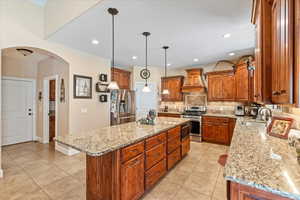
<point x="276" y="93"/>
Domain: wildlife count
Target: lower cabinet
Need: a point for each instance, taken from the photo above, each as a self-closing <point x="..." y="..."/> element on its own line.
<point x="185" y="146"/>
<point x="155" y="173"/>
<point x="243" y="192"/>
<point x="164" y="114"/>
<point x="132" y="178"/>
<point x="174" y="157"/>
<point x="217" y="129"/>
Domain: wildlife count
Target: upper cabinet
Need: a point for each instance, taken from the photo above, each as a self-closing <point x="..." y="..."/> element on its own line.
<point x="221" y="86"/>
<point x="242" y="81"/>
<point x="282" y="51"/>
<point x="193" y="82"/>
<point x="122" y="77"/>
<point x="276" y="77"/>
<point x="174" y="85"/>
<point x="262" y="81"/>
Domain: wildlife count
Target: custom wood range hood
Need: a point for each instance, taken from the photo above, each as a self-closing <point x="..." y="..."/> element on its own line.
<point x="194" y="81"/>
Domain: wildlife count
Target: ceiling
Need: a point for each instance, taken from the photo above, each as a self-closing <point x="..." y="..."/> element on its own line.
<point x="36" y="56"/>
<point x="192" y="29"/>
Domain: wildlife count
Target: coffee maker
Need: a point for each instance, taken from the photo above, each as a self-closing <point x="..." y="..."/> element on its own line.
<point x="239" y="110"/>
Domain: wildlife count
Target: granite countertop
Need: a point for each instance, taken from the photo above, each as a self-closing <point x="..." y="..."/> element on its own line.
<point x="108" y="139"/>
<point x="262" y="161"/>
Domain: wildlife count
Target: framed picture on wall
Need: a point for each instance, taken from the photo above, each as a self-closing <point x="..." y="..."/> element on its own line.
<point x="280" y="127"/>
<point x="82" y="87"/>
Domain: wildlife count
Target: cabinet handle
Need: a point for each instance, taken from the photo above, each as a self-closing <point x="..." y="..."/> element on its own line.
<point x="276" y="93"/>
<point x="282" y="91"/>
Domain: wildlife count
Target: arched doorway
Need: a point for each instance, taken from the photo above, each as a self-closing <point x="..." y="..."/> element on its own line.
<point x="34" y="95"/>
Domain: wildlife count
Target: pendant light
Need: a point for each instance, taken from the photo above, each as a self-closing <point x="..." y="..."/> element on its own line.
<point x="113" y="85"/>
<point x="165" y="91"/>
<point x="146" y="71"/>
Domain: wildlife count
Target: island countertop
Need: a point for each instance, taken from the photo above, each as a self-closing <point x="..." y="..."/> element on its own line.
<point x="107" y="139"/>
<point x="262" y="161"/>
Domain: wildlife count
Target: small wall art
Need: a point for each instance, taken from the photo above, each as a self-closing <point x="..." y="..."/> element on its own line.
<point x="103" y="98"/>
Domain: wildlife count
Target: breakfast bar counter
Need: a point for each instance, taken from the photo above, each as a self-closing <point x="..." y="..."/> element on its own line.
<point x="260" y="166"/>
<point x="126" y="160"/>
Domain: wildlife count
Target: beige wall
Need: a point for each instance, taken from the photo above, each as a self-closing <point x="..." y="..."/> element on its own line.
<point x="20" y="68"/>
<point x="60" y="12"/>
<point x="47" y="68"/>
<point x="22" y="22"/>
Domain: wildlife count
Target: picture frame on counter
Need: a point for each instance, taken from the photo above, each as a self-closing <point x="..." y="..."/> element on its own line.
<point x="280" y="127"/>
<point x="82" y="87"/>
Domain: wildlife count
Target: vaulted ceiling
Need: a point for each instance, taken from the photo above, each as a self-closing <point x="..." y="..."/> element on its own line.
<point x="192" y="29"/>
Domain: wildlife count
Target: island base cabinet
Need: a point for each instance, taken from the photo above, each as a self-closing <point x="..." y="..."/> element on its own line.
<point x="132" y="178"/>
<point x="154" y="174"/>
<point x="173" y="158"/>
<point x="242" y="192"/>
<point x="185" y="146"/>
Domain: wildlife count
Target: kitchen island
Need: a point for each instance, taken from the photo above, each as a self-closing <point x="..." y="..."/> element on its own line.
<point x="260" y="166"/>
<point x="125" y="161"/>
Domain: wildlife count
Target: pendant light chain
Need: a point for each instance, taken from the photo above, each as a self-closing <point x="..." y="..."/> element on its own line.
<point x="113" y="45"/>
<point x="165" y="62"/>
<point x="146" y="57"/>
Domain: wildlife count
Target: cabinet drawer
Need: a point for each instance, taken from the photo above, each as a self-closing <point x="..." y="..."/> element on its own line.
<point x="131" y="151"/>
<point x="173" y="144"/>
<point x="153" y="141"/>
<point x="155" y="173"/>
<point x="173" y="158"/>
<point x="155" y="154"/>
<point x="174" y="132"/>
<point x="218" y="120"/>
<point x="169" y="115"/>
<point x="185" y="146"/>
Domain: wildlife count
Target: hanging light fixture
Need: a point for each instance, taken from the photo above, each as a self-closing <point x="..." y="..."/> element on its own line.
<point x="165" y="91"/>
<point x="145" y="73"/>
<point x="113" y="85"/>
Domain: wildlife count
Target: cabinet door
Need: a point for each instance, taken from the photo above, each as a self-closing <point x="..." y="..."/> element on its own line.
<point x="214" y="88"/>
<point x="282" y="53"/>
<point x="242" y="83"/>
<point x="217" y="133"/>
<point x="132" y="178"/>
<point x="174" y="85"/>
<point x="228" y="89"/>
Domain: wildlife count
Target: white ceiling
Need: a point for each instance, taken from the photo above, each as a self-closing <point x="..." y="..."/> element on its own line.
<point x="35" y="57"/>
<point x="192" y="29"/>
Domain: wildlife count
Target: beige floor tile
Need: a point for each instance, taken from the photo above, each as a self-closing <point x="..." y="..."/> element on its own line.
<point x="36" y="195"/>
<point x="62" y="188"/>
<point x="202" y="184"/>
<point x="49" y="176"/>
<point x="186" y="193"/>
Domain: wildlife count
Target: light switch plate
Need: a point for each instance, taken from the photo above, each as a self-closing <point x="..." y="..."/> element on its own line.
<point x="84" y="110"/>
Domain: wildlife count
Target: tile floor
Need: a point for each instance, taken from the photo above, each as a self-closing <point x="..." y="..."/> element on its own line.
<point x="34" y="171"/>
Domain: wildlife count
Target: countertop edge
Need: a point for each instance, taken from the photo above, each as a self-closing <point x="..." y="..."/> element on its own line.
<point x="124" y="145"/>
<point x="262" y="187"/>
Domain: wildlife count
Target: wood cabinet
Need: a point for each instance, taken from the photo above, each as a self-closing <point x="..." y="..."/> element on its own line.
<point x="122" y="77"/>
<point x="161" y="114"/>
<point x="242" y="81"/>
<point x="297" y="55"/>
<point x="262" y="80"/>
<point x="217" y="129"/>
<point x="243" y="192"/>
<point x="153" y="175"/>
<point x="52" y="90"/>
<point x="185" y="146"/>
<point x="132" y="178"/>
<point x="174" y="85"/>
<point x="282" y="51"/>
<point x="221" y="86"/>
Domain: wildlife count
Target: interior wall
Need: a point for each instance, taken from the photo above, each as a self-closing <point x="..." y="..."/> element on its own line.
<point x="46" y="68"/>
<point x="20" y="68"/>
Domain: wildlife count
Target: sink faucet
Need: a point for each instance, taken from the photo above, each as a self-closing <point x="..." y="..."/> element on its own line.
<point x="265" y="113"/>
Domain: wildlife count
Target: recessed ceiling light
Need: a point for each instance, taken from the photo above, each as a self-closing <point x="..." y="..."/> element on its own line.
<point x="231" y="54"/>
<point x="227" y="35"/>
<point x="95" y="42"/>
<point x="134" y="57"/>
<point x="169" y="64"/>
<point x="196" y="59"/>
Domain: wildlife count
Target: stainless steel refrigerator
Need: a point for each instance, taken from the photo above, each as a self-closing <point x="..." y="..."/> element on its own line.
<point x="122" y="108"/>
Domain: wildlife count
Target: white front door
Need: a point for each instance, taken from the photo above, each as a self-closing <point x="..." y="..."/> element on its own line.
<point x="145" y="101"/>
<point x="17" y="111"/>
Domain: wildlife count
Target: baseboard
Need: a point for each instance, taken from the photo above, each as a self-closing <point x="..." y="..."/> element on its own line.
<point x="38" y="139"/>
<point x="1" y="173"/>
<point x="65" y="149"/>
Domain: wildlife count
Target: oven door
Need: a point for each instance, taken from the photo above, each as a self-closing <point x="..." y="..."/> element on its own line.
<point x="196" y="127"/>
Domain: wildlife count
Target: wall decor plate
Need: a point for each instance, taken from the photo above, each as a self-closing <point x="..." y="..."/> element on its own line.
<point x="82" y="87"/>
<point x="145" y="73"/>
<point x="280" y="127"/>
<point x="103" y="98"/>
<point x="103" y="77"/>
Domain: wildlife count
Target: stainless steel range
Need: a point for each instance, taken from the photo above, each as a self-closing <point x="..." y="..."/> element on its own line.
<point x="195" y="114"/>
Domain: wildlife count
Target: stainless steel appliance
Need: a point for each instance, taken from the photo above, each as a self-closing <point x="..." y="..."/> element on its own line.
<point x="122" y="107"/>
<point x="194" y="113"/>
<point x="239" y="111"/>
